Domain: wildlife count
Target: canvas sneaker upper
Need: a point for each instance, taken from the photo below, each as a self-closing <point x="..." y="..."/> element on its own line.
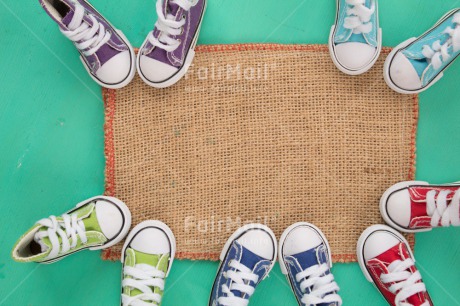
<point x="305" y="259"/>
<point x="418" y="63"/>
<point x="168" y="49"/>
<point x="105" y="52"/>
<point x="417" y="206"/>
<point x="247" y="258"/>
<point x="355" y="43"/>
<point x="147" y="258"/>
<point x="96" y="223"/>
<point x="386" y="260"/>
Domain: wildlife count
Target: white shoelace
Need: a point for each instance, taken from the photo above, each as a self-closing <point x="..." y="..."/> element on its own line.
<point x="359" y="16"/>
<point x="240" y="277"/>
<point x="440" y="211"/>
<point x="405" y="283"/>
<point x="143" y="277"/>
<point x="92" y="37"/>
<point x="323" y="286"/>
<point x="71" y="228"/>
<point x="168" y="26"/>
<point x="438" y="53"/>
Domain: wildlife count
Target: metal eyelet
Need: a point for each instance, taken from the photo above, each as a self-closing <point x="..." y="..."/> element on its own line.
<point x="184" y="17"/>
<point x="181" y="31"/>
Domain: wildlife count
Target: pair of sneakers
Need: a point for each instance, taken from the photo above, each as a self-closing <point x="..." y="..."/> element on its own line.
<point x="250" y="253"/>
<point x="108" y="56"/>
<point x="355" y="43"/>
<point x="384" y="254"/>
<point x="98" y="223"/>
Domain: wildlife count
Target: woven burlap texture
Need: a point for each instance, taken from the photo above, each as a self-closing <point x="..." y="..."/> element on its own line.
<point x="273" y="134"/>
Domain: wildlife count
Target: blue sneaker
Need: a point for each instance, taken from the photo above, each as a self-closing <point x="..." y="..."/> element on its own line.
<point x="355" y="41"/>
<point x="305" y="259"/>
<point x="418" y="63"/>
<point x="246" y="259"/>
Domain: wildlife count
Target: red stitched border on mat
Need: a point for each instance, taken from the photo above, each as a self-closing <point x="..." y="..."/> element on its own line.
<point x="270" y="47"/>
<point x="109" y="96"/>
<point x="413" y="139"/>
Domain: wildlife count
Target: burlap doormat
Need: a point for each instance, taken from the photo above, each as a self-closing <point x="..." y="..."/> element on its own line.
<point x="259" y="133"/>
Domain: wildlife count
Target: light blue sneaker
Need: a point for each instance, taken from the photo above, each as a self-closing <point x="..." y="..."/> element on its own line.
<point x="355" y="41"/>
<point x="246" y="259"/>
<point x="305" y="259"/>
<point x="418" y="63"/>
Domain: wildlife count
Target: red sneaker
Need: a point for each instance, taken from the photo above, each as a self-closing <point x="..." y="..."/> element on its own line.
<point x="417" y="206"/>
<point x="387" y="261"/>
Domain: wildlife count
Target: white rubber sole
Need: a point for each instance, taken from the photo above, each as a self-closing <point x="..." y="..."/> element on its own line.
<point x="404" y="44"/>
<point x="362" y="240"/>
<point x="183" y="70"/>
<point x="243" y="229"/>
<point x="286" y="233"/>
<point x="132" y="72"/>
<point x="383" y="201"/>
<point x="157" y="224"/>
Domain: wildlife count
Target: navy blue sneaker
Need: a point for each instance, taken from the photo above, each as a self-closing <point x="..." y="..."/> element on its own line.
<point x="305" y="259"/>
<point x="246" y="259"/>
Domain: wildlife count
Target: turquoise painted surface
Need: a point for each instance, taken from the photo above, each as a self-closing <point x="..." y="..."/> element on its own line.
<point x="51" y="144"/>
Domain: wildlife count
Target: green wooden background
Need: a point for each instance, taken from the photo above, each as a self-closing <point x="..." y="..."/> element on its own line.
<point x="51" y="144"/>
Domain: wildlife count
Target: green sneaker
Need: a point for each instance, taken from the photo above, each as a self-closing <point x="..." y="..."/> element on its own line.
<point x="147" y="258"/>
<point x="94" y="224"/>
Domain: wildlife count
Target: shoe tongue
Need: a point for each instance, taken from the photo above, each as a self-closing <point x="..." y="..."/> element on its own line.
<point x="172" y="8"/>
<point x="89" y="218"/>
<point x="311" y="257"/>
<point x="250" y="260"/>
<point x="394" y="254"/>
<point x="44" y="243"/>
<point x="158" y="261"/>
<point x="68" y="18"/>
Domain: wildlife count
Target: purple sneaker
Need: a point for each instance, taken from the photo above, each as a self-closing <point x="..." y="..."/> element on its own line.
<point x="168" y="50"/>
<point x="105" y="52"/>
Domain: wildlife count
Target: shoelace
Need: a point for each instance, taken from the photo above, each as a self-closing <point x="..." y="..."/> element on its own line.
<point x="438" y="53"/>
<point x="359" y="16"/>
<point x="440" y="211"/>
<point x="143" y="277"/>
<point x="323" y="287"/>
<point x="91" y="37"/>
<point x="168" y="26"/>
<point x="240" y="277"/>
<point x="70" y="227"/>
<point x="406" y="284"/>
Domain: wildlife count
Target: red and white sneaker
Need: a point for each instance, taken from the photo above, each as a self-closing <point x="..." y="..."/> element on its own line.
<point x="387" y="261"/>
<point x="417" y="206"/>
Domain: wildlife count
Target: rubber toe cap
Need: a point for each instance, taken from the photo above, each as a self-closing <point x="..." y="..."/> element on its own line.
<point x="109" y="217"/>
<point x="378" y="243"/>
<point x="301" y="239"/>
<point x="151" y="240"/>
<point x="398" y="206"/>
<point x="155" y="71"/>
<point x="355" y="55"/>
<point x="259" y="242"/>
<point x="403" y="74"/>
<point x="116" y="69"/>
